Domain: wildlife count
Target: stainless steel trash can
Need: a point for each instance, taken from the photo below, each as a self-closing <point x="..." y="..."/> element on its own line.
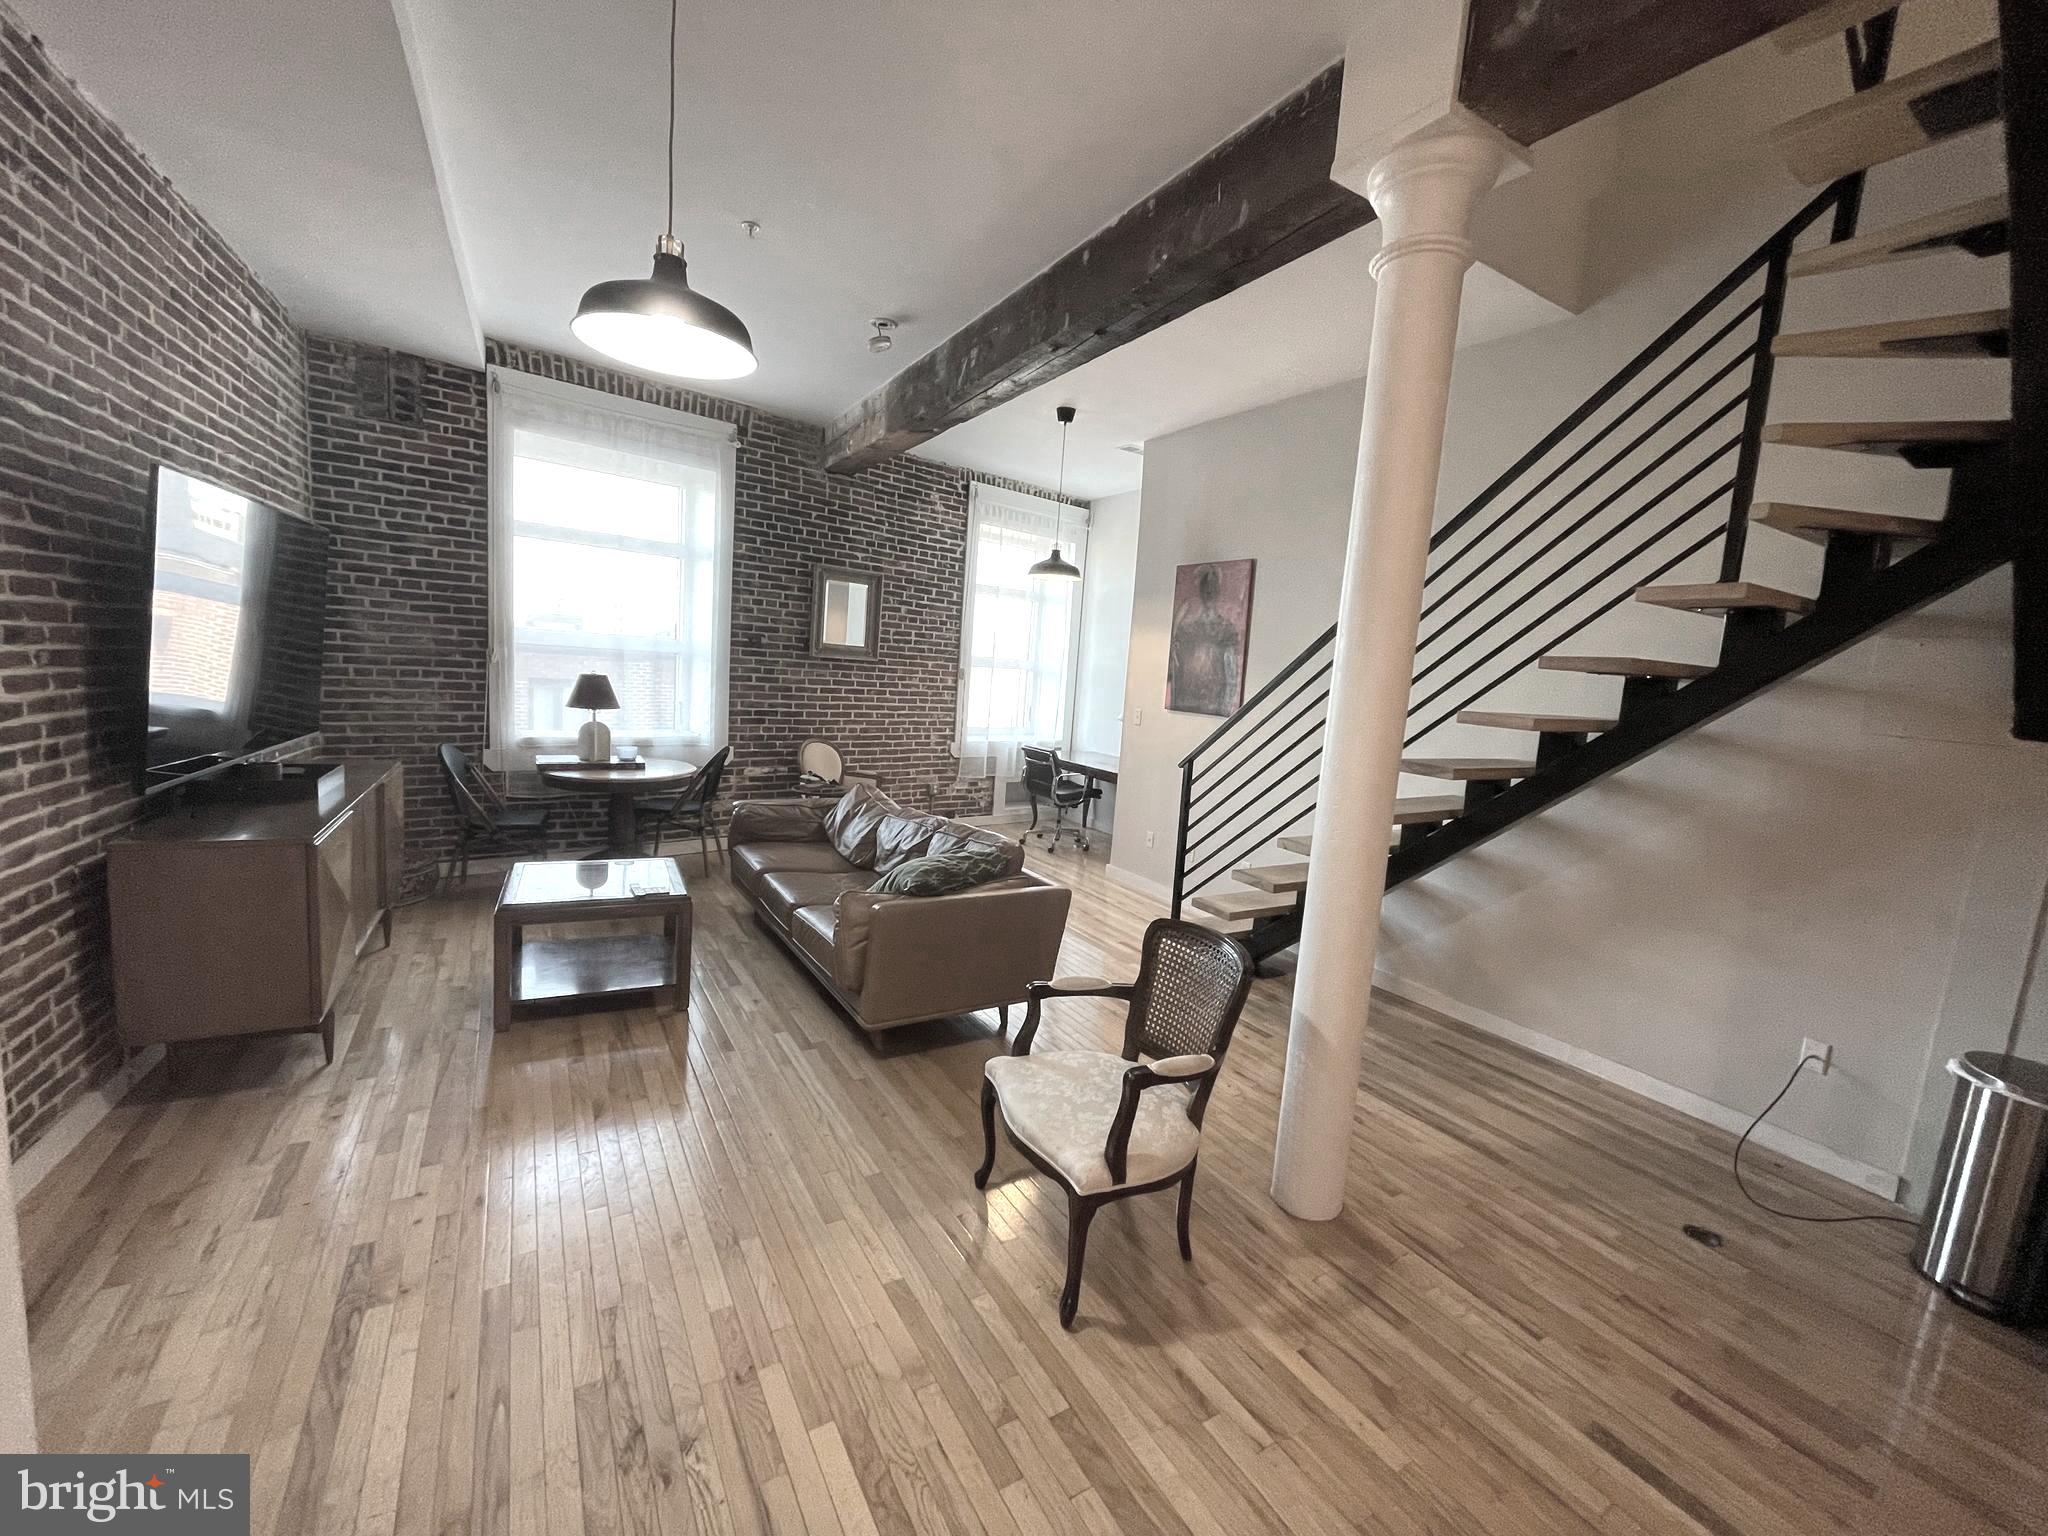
<point x="1984" y="1237"/>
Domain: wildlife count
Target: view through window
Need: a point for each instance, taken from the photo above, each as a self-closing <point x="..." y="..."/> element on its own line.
<point x="616" y="554"/>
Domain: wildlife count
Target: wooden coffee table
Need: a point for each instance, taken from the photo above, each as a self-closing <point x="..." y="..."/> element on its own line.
<point x="544" y="970"/>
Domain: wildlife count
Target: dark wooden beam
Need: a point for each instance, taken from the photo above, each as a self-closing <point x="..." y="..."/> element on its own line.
<point x="1251" y="205"/>
<point x="2023" y="40"/>
<point x="1532" y="67"/>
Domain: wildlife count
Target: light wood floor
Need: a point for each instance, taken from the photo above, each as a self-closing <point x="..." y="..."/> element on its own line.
<point x="563" y="1280"/>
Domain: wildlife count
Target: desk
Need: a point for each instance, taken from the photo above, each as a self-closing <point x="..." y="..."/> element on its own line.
<point x="1097" y="768"/>
<point x="622" y="786"/>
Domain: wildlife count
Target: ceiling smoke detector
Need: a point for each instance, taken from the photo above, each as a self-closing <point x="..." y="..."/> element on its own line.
<point x="881" y="341"/>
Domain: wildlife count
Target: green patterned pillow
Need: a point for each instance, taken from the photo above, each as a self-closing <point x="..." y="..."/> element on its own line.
<point x="940" y="874"/>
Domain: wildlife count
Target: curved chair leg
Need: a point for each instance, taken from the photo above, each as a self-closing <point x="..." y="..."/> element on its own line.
<point x="1003" y="1014"/>
<point x="1080" y="1211"/>
<point x="1187" y="1206"/>
<point x="988" y="1134"/>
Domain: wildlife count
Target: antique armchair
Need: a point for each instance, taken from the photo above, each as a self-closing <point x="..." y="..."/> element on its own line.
<point x="1105" y="1127"/>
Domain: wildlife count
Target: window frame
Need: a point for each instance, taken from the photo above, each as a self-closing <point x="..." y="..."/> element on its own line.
<point x="703" y="434"/>
<point x="1069" y="526"/>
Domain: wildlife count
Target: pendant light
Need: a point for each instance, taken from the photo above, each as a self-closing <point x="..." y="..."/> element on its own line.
<point x="1054" y="565"/>
<point x="660" y="323"/>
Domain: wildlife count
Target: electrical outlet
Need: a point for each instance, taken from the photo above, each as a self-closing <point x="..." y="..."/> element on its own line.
<point x="1137" y="717"/>
<point x="1812" y="1047"/>
<point x="1150" y="837"/>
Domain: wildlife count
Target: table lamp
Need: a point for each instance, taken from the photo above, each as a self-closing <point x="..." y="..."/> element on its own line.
<point x="593" y="691"/>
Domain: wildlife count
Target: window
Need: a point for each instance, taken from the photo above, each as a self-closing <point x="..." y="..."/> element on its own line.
<point x="611" y="551"/>
<point x="1018" y="641"/>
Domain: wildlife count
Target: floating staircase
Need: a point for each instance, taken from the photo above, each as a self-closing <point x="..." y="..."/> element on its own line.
<point x="1652" y="474"/>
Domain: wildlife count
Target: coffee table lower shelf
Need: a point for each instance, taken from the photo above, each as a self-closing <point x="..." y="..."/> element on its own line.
<point x="553" y="969"/>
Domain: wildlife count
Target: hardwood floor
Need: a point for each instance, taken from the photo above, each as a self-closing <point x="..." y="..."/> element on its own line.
<point x="592" y="1276"/>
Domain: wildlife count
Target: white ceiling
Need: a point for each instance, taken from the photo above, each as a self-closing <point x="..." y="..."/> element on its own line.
<point x="295" y="130"/>
<point x="421" y="173"/>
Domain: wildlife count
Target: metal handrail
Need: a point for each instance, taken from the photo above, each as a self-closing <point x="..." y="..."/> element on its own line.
<point x="1229" y="762"/>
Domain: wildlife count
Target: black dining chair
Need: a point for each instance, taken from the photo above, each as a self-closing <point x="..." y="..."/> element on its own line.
<point x="691" y="811"/>
<point x="484" y="822"/>
<point x="1045" y="779"/>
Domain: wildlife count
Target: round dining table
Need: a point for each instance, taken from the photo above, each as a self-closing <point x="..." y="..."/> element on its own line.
<point x="621" y="787"/>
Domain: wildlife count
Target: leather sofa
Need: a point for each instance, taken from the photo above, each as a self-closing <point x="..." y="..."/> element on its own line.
<point x="889" y="960"/>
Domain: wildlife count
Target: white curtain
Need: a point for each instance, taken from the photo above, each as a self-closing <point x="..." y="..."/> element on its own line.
<point x="611" y="552"/>
<point x="1019" y="637"/>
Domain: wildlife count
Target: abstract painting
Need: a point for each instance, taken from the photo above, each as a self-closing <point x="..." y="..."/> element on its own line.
<point x="1212" y="622"/>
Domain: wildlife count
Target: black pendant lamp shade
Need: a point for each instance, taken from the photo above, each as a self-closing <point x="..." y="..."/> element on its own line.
<point x="660" y="323"/>
<point x="1055" y="565"/>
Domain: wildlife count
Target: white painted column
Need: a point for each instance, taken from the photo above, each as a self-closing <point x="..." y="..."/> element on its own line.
<point x="1424" y="190"/>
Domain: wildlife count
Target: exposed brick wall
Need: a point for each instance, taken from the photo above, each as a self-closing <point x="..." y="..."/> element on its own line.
<point x="129" y="333"/>
<point x="408" y="574"/>
<point x="407" y="625"/>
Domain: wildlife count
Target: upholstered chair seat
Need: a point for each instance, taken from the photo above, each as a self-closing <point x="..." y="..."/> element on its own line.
<point x="1061" y="1104"/>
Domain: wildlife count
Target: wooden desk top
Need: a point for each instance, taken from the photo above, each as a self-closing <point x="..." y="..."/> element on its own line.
<point x="278" y="821"/>
<point x="1093" y="765"/>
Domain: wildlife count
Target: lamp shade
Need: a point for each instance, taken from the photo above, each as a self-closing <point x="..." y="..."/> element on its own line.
<point x="663" y="325"/>
<point x="1057" y="567"/>
<point x="593" y="690"/>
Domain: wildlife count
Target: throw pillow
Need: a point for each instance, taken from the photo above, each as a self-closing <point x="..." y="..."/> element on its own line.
<point x="902" y="837"/>
<point x="854" y="823"/>
<point x="940" y="874"/>
<point x="957" y="835"/>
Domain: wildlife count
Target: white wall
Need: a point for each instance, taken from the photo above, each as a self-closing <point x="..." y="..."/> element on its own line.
<point x="1275" y="485"/>
<point x="1106" y="623"/>
<point x="1856" y="855"/>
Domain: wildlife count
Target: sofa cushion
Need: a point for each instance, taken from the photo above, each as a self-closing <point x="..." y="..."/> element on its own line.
<point x="904" y="837"/>
<point x="785" y="890"/>
<point x="956" y="835"/>
<point x="812" y="928"/>
<point x="750" y="861"/>
<point x="1061" y="1105"/>
<point x="940" y="874"/>
<point x="856" y="821"/>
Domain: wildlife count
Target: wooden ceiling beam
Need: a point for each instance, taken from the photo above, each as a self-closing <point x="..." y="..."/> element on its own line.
<point x="1251" y="205"/>
<point x="1532" y="69"/>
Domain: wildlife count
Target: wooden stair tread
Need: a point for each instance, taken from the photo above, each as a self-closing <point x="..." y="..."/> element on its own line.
<point x="1297" y="842"/>
<point x="1467" y="768"/>
<point x="1814" y="524"/>
<point x="1235" y="927"/>
<point x="1884" y="436"/>
<point x="1976" y="333"/>
<point x="1722" y="597"/>
<point x="1245" y="905"/>
<point x="1417" y="810"/>
<point x="1910" y="112"/>
<point x="1977" y="226"/>
<point x="1624" y="666"/>
<point x="1826" y="23"/>
<point x="1274" y="877"/>
<point x="1508" y="720"/>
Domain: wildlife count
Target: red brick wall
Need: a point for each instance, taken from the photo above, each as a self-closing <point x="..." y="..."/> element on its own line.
<point x="129" y="333"/>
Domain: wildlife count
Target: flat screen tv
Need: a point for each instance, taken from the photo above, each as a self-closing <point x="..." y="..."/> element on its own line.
<point x="238" y="615"/>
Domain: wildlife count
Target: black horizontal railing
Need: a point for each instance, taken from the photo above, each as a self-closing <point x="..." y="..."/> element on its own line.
<point x="1649" y="471"/>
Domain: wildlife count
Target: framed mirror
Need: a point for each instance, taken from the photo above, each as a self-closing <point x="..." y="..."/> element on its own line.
<point x="846" y="612"/>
